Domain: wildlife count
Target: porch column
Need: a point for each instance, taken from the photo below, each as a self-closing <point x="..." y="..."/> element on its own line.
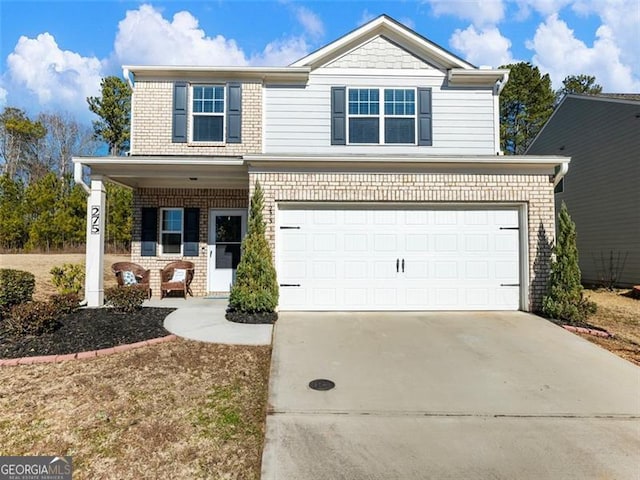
<point x="94" y="282"/>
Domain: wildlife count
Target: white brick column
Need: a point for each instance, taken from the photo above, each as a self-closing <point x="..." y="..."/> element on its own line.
<point x="96" y="209"/>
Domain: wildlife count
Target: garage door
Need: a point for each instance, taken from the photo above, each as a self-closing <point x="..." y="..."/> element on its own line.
<point x="398" y="259"/>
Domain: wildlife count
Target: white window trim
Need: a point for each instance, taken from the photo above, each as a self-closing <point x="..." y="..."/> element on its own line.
<point x="382" y="117"/>
<point x="163" y="231"/>
<point x="222" y="114"/>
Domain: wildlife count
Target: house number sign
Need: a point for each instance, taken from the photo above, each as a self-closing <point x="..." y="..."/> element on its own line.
<point x="95" y="220"/>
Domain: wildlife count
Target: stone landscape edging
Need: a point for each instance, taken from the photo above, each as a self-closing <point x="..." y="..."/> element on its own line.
<point x="84" y="355"/>
<point x="588" y="331"/>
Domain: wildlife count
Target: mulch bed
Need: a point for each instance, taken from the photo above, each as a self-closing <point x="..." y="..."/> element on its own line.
<point x="88" y="329"/>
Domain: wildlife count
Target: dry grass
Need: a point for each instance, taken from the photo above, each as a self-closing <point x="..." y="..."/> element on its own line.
<point x="39" y="264"/>
<point x="177" y="410"/>
<point x="620" y="315"/>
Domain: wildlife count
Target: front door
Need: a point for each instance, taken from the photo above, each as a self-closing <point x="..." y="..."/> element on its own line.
<point x="227" y="228"/>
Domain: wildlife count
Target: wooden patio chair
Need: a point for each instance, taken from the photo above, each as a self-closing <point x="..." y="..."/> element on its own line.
<point x="131" y="274"/>
<point x="176" y="276"/>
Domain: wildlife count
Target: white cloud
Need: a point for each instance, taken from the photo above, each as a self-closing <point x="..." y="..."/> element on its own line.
<point x="558" y="52"/>
<point x="281" y="52"/>
<point x="479" y="12"/>
<point x="486" y="46"/>
<point x="365" y="17"/>
<point x="408" y="22"/>
<point x="543" y="7"/>
<point x="3" y="97"/>
<point x="57" y="78"/>
<point x="145" y="37"/>
<point x="310" y="21"/>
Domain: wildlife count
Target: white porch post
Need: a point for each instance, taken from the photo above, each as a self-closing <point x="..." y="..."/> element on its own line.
<point x="94" y="282"/>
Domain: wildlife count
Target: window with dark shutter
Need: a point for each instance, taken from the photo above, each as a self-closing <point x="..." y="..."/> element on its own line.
<point x="179" y="112"/>
<point x="149" y="234"/>
<point x="234" y="113"/>
<point x="338" y="116"/>
<point x="424" y="117"/>
<point x="191" y="247"/>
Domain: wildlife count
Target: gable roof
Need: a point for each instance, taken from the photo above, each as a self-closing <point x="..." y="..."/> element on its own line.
<point x="393" y="30"/>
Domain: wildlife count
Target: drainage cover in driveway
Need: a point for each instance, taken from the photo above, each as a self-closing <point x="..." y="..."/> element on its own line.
<point x="321" y="384"/>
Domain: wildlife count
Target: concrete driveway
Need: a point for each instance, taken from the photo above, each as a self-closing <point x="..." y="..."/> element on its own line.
<point x="447" y="396"/>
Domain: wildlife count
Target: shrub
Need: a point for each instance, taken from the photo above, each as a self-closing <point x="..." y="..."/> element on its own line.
<point x="126" y="299"/>
<point x="32" y="318"/>
<point x="69" y="278"/>
<point x="255" y="289"/>
<point x="565" y="297"/>
<point x="65" y="303"/>
<point x="16" y="287"/>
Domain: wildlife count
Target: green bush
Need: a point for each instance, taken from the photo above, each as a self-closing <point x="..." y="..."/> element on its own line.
<point x="65" y="303"/>
<point x="565" y="297"/>
<point x="126" y="299"/>
<point x="69" y="278"/>
<point x="16" y="287"/>
<point x="256" y="288"/>
<point x="32" y="318"/>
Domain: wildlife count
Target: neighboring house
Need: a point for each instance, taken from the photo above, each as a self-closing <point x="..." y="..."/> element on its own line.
<point x="602" y="189"/>
<point x="379" y="156"/>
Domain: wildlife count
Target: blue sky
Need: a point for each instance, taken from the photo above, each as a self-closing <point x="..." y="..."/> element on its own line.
<point x="53" y="53"/>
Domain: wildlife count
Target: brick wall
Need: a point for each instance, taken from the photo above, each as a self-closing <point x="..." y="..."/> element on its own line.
<point x="152" y="113"/>
<point x="536" y="191"/>
<point x="205" y="199"/>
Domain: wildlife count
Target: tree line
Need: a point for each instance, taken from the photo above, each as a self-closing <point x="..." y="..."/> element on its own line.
<point x="42" y="209"/>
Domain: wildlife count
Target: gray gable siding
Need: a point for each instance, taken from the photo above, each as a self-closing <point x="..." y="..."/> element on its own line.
<point x="602" y="187"/>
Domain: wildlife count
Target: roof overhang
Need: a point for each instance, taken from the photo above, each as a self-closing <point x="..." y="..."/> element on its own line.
<point x="233" y="172"/>
<point x="461" y="77"/>
<point x="266" y="74"/>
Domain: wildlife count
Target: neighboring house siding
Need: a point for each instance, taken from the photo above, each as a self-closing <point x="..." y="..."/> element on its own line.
<point x="379" y="53"/>
<point x="602" y="186"/>
<point x="299" y="119"/>
<point x="204" y="199"/>
<point x="534" y="190"/>
<point x="152" y="111"/>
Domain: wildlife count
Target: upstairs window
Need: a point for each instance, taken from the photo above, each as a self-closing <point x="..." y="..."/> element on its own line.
<point x="208" y="111"/>
<point x="394" y="123"/>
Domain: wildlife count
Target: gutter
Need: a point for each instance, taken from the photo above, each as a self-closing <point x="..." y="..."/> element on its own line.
<point x="127" y="76"/>
<point x="500" y="84"/>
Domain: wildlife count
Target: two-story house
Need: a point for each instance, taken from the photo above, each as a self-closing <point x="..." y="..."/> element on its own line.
<point x="379" y="156"/>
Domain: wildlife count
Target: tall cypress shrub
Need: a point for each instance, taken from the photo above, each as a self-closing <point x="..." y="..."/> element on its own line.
<point x="565" y="297"/>
<point x="255" y="290"/>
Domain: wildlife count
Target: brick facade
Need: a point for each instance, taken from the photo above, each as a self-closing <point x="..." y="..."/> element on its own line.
<point x="536" y="191"/>
<point x="152" y="111"/>
<point x="205" y="199"/>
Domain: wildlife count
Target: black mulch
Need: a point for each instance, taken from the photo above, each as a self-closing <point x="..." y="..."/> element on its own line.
<point x="88" y="329"/>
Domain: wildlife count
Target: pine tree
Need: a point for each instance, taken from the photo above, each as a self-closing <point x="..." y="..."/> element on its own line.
<point x="256" y="288"/>
<point x="565" y="297"/>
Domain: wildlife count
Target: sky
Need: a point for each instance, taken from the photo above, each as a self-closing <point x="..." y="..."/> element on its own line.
<point x="54" y="53"/>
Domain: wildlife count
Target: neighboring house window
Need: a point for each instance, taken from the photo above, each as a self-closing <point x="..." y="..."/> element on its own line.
<point x="171" y="231"/>
<point x="395" y="123"/>
<point x="208" y="113"/>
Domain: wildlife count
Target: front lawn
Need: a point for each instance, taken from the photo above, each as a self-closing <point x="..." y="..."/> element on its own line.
<point x="176" y="410"/>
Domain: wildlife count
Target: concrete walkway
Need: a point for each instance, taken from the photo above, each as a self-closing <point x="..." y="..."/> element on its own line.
<point x="447" y="396"/>
<point x="203" y="319"/>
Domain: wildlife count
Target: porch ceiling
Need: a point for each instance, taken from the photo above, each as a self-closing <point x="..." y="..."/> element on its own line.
<point x="173" y="172"/>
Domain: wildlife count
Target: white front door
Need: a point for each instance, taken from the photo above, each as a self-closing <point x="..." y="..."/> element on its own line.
<point x="378" y="258"/>
<point x="227" y="228"/>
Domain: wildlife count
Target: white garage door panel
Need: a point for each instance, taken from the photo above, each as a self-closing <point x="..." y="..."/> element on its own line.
<point x="394" y="259"/>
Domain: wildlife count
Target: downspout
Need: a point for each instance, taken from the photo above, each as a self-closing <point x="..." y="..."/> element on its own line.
<point x="500" y="84"/>
<point x="562" y="171"/>
<point x="125" y="74"/>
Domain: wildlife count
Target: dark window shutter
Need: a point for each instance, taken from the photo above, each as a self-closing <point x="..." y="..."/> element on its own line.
<point x="191" y="247"/>
<point x="424" y="117"/>
<point x="179" y="112"/>
<point x="234" y="113"/>
<point x="149" y="235"/>
<point x="338" y="116"/>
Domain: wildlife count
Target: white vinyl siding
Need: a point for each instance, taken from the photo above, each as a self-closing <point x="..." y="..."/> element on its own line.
<point x="299" y="118"/>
